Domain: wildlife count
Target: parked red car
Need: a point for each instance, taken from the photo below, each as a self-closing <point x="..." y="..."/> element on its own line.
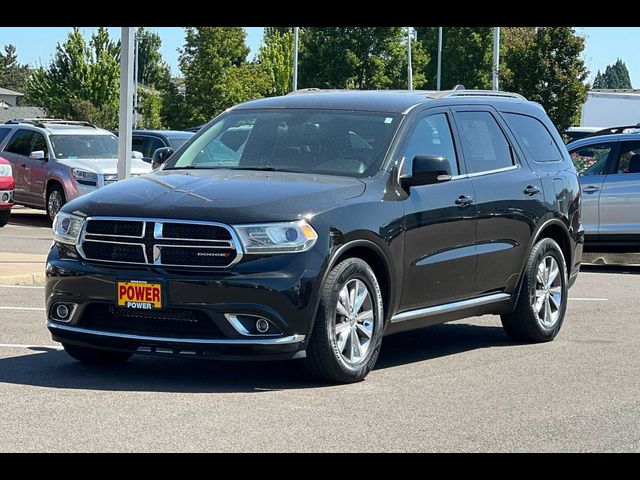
<point x="6" y="191"/>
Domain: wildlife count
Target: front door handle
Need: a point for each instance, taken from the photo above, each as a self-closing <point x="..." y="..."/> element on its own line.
<point x="464" y="200"/>
<point x="531" y="190"/>
<point x="590" y="189"/>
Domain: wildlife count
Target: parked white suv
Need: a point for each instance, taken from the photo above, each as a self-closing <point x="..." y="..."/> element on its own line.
<point x="55" y="161"/>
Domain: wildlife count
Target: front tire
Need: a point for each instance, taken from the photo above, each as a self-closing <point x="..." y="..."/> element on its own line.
<point x="4" y="217"/>
<point x="55" y="201"/>
<point x="347" y="333"/>
<point x="96" y="356"/>
<point x="542" y="302"/>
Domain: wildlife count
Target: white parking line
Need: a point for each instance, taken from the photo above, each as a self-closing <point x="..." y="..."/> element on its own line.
<point x="17" y="345"/>
<point x="21" y="286"/>
<point x="35" y="309"/>
<point x="589" y="299"/>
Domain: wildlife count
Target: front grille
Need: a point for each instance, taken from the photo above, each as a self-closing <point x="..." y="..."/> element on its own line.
<point x="114" y="252"/>
<point x="174" y="322"/>
<point x="169" y="243"/>
<point x="200" y="232"/>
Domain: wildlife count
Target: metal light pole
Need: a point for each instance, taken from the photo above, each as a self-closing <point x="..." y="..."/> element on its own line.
<point x="135" y="82"/>
<point x="439" y="75"/>
<point x="126" y="103"/>
<point x="496" y="56"/>
<point x="295" y="58"/>
<point x="409" y="67"/>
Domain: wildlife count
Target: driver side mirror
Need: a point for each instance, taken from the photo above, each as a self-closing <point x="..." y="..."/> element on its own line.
<point x="38" y="155"/>
<point x="427" y="170"/>
<point x="160" y="156"/>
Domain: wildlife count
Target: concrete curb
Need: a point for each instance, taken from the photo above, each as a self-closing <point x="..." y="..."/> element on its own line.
<point x="597" y="258"/>
<point x="25" y="280"/>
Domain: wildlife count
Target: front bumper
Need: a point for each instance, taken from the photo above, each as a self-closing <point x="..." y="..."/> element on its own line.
<point x="6" y="199"/>
<point x="281" y="288"/>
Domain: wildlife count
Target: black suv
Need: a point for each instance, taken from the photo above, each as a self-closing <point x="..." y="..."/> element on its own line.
<point x="311" y="225"/>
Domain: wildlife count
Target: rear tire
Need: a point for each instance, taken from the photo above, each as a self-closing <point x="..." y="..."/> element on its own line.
<point x="347" y="333"/>
<point x="96" y="356"/>
<point x="55" y="201"/>
<point x="4" y="217"/>
<point x="542" y="302"/>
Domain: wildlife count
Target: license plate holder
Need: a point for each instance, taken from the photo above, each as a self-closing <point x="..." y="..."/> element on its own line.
<point x="139" y="295"/>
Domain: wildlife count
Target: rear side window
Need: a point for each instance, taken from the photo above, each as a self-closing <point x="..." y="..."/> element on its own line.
<point x="3" y="133"/>
<point x="485" y="146"/>
<point x="535" y="138"/>
<point x="20" y="143"/>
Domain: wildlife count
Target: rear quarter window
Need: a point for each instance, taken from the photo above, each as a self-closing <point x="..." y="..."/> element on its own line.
<point x="534" y="138"/>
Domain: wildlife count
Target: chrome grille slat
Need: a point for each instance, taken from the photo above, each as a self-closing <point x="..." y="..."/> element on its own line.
<point x="152" y="242"/>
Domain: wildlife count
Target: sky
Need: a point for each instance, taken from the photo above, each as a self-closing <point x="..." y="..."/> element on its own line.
<point x="604" y="45"/>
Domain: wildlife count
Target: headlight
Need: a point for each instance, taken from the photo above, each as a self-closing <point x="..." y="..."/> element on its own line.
<point x="85" y="177"/>
<point x="5" y="170"/>
<point x="277" y="237"/>
<point x="67" y="228"/>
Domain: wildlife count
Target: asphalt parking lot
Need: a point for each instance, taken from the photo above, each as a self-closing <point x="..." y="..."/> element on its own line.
<point x="462" y="386"/>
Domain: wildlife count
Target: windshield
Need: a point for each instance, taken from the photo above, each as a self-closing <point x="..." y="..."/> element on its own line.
<point x="331" y="142"/>
<point x="177" y="142"/>
<point x="85" y="146"/>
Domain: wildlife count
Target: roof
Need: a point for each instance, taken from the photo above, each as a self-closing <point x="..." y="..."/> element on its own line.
<point x="6" y="91"/>
<point x="616" y="137"/>
<point x="390" y="101"/>
<point x="10" y="113"/>
<point x="166" y="133"/>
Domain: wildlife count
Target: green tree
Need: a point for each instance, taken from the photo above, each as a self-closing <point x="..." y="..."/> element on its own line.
<point x="153" y="71"/>
<point x="216" y="72"/>
<point x="467" y="54"/>
<point x="616" y="76"/>
<point x="13" y="75"/>
<point x="598" y="81"/>
<point x="545" y="65"/>
<point x="358" y="57"/>
<point x="82" y="80"/>
<point x="150" y="109"/>
<point x="275" y="57"/>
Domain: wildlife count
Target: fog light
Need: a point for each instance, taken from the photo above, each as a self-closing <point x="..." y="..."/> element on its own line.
<point x="262" y="326"/>
<point x="62" y="312"/>
<point x="5" y="197"/>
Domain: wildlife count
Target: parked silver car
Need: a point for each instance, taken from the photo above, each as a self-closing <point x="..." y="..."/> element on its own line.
<point x="55" y="161"/>
<point x="609" y="169"/>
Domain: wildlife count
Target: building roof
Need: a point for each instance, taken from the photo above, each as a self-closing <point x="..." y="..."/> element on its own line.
<point x="11" y="113"/>
<point x="6" y="91"/>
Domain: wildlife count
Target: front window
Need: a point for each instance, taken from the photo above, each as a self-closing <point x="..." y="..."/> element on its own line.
<point x="592" y="159"/>
<point x="85" y="146"/>
<point x="330" y="142"/>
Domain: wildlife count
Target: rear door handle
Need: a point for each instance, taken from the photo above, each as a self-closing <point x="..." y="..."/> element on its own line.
<point x="590" y="189"/>
<point x="464" y="200"/>
<point x="531" y="190"/>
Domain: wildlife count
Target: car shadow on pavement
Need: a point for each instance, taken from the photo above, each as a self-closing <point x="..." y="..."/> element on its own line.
<point x="611" y="268"/>
<point x="53" y="368"/>
<point x="30" y="219"/>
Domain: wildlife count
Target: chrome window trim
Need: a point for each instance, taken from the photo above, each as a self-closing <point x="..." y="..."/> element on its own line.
<point x="449" y="307"/>
<point x="240" y="341"/>
<point x="235" y="243"/>
<point x="486" y="172"/>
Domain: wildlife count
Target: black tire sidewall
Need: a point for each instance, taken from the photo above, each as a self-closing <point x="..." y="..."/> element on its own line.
<point x="49" y="192"/>
<point x="4" y="217"/>
<point x="349" y="269"/>
<point x="542" y="249"/>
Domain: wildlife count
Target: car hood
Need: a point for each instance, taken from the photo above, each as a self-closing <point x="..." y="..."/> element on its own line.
<point x="220" y="195"/>
<point x="105" y="166"/>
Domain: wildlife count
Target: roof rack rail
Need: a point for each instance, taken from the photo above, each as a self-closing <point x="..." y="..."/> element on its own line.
<point x="459" y="91"/>
<point x="40" y="122"/>
<point x="311" y="90"/>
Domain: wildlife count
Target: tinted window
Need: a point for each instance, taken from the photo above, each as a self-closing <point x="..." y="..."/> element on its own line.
<point x="485" y="146"/>
<point x="146" y="145"/>
<point x="39" y="143"/>
<point x="331" y="142"/>
<point x="140" y="144"/>
<point x="629" y="159"/>
<point x="154" y="144"/>
<point x="20" y="143"/>
<point x="432" y="136"/>
<point x="3" y="133"/>
<point x="535" y="138"/>
<point x="591" y="160"/>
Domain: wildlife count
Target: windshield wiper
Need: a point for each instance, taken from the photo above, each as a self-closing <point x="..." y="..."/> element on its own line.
<point x="192" y="167"/>
<point x="267" y="169"/>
